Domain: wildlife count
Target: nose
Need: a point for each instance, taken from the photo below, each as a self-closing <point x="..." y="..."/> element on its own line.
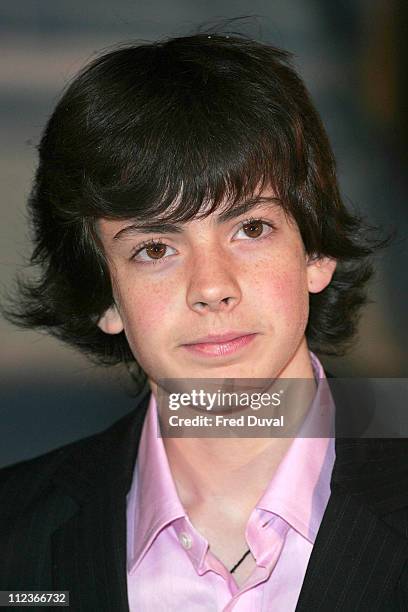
<point x="213" y="285"/>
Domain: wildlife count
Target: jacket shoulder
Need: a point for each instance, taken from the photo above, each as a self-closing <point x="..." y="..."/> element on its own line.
<point x="23" y="482"/>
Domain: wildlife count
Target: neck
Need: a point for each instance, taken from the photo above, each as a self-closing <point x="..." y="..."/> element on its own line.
<point x="209" y="470"/>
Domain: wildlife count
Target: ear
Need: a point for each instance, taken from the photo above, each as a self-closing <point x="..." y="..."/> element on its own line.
<point x="111" y="321"/>
<point x="319" y="273"/>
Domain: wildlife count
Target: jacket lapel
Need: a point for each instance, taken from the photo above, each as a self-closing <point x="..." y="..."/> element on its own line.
<point x="89" y="557"/>
<point x="89" y="550"/>
<point x="357" y="559"/>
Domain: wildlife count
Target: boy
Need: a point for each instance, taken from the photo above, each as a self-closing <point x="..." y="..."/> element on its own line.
<point x="188" y="222"/>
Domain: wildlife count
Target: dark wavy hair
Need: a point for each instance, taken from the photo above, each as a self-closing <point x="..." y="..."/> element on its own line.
<point x="167" y="128"/>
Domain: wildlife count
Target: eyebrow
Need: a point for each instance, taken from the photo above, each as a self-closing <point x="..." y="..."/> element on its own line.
<point x="173" y="228"/>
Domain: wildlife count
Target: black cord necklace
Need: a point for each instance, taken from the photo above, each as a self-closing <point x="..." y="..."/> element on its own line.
<point x="240" y="561"/>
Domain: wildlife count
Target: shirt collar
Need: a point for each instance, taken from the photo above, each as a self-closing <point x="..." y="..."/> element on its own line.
<point x="152" y="502"/>
<point x="300" y="488"/>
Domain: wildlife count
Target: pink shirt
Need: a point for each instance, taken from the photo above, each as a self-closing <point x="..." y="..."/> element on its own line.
<point x="170" y="567"/>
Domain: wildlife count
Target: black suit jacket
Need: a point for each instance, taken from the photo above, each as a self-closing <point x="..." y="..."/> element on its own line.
<point x="63" y="524"/>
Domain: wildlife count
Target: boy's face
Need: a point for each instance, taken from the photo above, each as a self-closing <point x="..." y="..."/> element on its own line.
<point x="249" y="279"/>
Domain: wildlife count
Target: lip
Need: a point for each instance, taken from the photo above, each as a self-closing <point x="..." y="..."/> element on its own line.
<point x="221" y="344"/>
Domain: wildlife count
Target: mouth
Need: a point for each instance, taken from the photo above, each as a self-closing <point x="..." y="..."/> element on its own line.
<point x="220" y="345"/>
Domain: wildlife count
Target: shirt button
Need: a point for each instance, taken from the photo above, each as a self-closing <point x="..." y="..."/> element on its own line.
<point x="185" y="540"/>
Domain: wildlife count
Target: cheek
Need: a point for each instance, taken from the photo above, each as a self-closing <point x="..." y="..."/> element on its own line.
<point x="146" y="311"/>
<point x="283" y="291"/>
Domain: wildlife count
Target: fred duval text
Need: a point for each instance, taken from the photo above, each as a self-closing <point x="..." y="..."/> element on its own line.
<point x="248" y="420"/>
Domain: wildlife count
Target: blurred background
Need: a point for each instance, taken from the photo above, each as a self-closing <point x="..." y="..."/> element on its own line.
<point x="352" y="55"/>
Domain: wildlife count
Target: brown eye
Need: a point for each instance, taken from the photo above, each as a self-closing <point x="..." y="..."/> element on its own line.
<point x="156" y="251"/>
<point x="253" y="229"/>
